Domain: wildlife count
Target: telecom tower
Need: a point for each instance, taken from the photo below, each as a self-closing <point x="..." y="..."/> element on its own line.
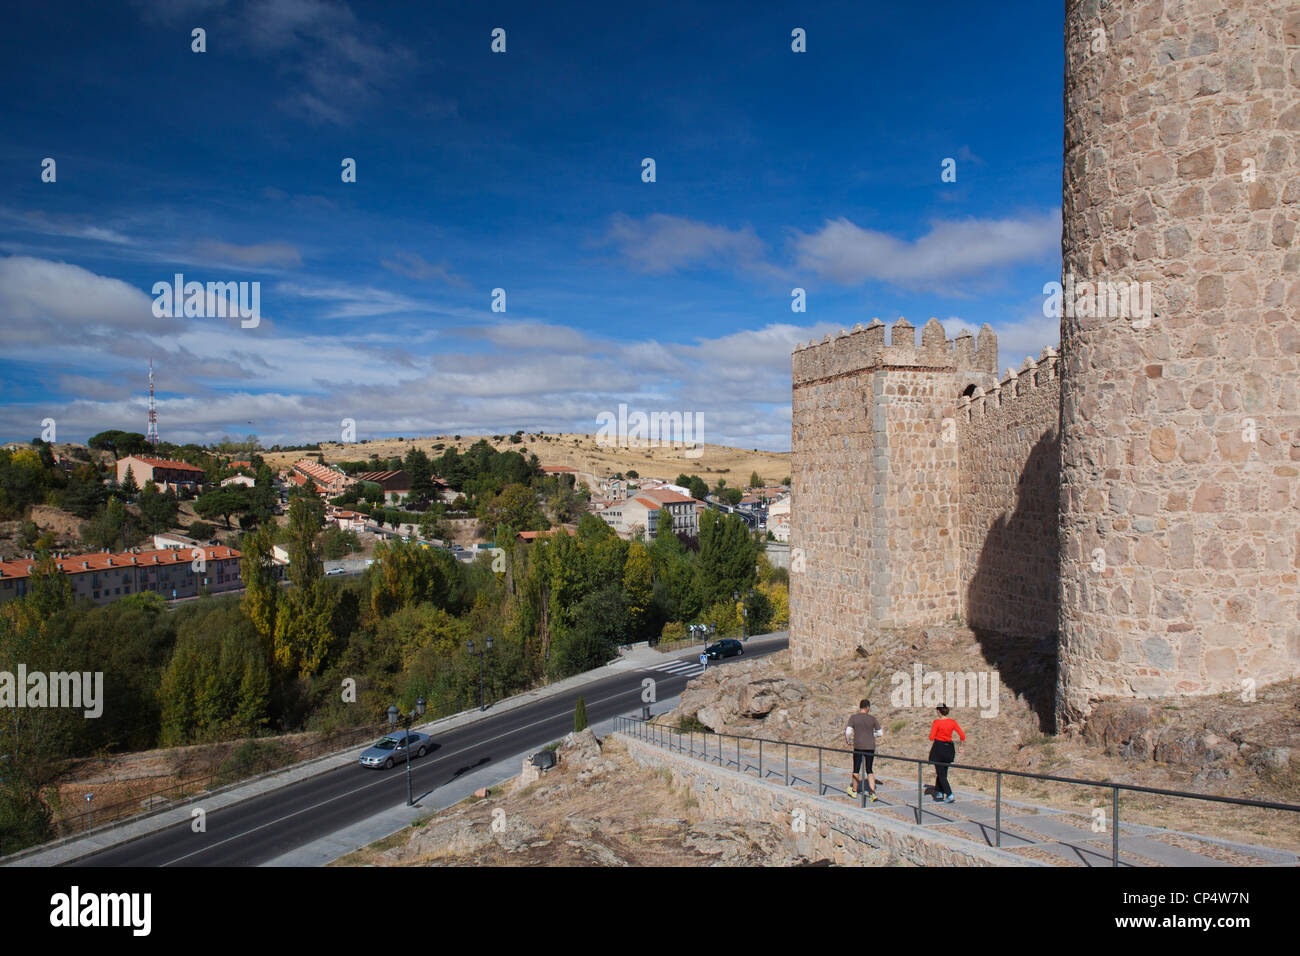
<point x="152" y="436"/>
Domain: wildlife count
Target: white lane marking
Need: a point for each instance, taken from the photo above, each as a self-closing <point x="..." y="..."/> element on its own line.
<point x="674" y="665"/>
<point x="634" y="691"/>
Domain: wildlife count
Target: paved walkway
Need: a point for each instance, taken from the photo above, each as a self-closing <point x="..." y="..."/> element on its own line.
<point x="1047" y="834"/>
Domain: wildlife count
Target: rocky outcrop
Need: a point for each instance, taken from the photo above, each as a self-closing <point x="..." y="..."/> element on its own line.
<point x="738" y="695"/>
<point x="1225" y="738"/>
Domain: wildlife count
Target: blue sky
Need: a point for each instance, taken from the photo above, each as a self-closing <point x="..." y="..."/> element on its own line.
<point x="518" y="170"/>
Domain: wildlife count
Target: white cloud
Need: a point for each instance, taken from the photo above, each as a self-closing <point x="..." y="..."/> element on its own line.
<point x="661" y="243"/>
<point x="850" y="255"/>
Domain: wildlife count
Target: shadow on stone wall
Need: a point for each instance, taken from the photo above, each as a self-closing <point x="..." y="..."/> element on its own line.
<point x="1012" y="599"/>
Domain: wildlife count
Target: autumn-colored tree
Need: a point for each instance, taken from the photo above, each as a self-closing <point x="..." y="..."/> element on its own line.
<point x="304" y="632"/>
<point x="404" y="573"/>
<point x="638" y="586"/>
<point x="261" y="599"/>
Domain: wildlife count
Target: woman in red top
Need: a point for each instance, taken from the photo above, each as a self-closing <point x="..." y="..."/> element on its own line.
<point x="942" y="752"/>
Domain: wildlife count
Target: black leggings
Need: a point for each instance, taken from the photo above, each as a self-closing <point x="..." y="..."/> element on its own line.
<point x="942" y="753"/>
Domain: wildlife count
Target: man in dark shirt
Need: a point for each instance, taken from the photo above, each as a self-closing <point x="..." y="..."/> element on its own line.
<point x="861" y="734"/>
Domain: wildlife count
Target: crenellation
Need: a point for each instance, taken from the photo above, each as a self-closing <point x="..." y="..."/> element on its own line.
<point x="864" y="348"/>
<point x="1132" y="497"/>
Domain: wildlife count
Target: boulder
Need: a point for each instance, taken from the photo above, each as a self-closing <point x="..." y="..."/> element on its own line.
<point x="529" y="774"/>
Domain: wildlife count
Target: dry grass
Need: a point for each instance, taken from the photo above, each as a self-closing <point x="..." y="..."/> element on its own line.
<point x="581" y="452"/>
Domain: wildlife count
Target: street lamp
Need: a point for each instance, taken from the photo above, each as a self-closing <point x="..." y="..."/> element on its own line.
<point x="744" y="613"/>
<point x="89" y="817"/>
<point x="393" y="716"/>
<point x="482" y="700"/>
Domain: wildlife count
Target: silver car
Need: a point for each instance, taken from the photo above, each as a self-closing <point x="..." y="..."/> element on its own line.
<point x="396" y="747"/>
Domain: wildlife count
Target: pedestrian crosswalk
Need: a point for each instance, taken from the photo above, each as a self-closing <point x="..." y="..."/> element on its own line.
<point x="682" y="668"/>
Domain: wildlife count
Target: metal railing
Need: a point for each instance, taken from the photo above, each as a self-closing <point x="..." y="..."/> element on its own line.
<point x="143" y="803"/>
<point x="677" y="740"/>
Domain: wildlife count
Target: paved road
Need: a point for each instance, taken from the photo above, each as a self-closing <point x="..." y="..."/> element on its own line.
<point x="265" y="827"/>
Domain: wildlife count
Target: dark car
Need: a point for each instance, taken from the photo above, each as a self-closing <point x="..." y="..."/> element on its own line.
<point x="724" y="648"/>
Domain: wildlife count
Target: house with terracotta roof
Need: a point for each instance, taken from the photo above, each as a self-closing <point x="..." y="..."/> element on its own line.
<point x="685" y="517"/>
<point x="163" y="472"/>
<point x="103" y="577"/>
<point x="778" y="519"/>
<point x="346" y="520"/>
<point x="330" y="482"/>
<point x="396" y="484"/>
<point x="534" y="535"/>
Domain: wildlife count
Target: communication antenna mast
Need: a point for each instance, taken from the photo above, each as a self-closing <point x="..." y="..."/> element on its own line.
<point x="152" y="436"/>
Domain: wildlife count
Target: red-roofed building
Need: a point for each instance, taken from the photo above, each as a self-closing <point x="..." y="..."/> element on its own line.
<point x="163" y="472"/>
<point x="686" y="519"/>
<point x="330" y="483"/>
<point x="345" y="519"/>
<point x="534" y="535"/>
<point x="643" y="511"/>
<point x="396" y="484"/>
<point x="103" y="577"/>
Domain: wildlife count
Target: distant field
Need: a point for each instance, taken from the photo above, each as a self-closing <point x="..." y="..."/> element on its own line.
<point x="581" y="452"/>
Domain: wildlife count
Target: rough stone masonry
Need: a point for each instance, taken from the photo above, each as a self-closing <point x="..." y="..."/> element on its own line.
<point x="1137" y="495"/>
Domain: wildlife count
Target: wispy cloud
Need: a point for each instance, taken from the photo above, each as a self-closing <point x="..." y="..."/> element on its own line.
<point x="661" y="244"/>
<point x="413" y="266"/>
<point x="952" y="250"/>
<point x="279" y="254"/>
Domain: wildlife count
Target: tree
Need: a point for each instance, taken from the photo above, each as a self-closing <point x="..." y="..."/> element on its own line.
<point x="580" y="715"/>
<point x="732" y="496"/>
<point x="109" y="527"/>
<point x="513" y="510"/>
<point x="304" y="635"/>
<point x="698" y="489"/>
<point x="85" y="493"/>
<point x="754" y="480"/>
<point x="222" y="502"/>
<point x="158" y="509"/>
<point x="262" y="500"/>
<point x="600" y="626"/>
<point x="260" y="601"/>
<point x="727" y="560"/>
<point x="758" y="611"/>
<point x="129" y="489"/>
<point x="215" y="686"/>
<point x="638" y="587"/>
<point x="33" y="739"/>
<point x="372" y="492"/>
<point x="420" y="469"/>
<point x="404" y="573"/>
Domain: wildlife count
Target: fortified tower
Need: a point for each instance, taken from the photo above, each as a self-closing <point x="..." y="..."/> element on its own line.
<point x="874" y="526"/>
<point x="1136" y="498"/>
<point x="1180" y="431"/>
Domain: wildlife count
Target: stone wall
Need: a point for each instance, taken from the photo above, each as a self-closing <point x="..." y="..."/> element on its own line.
<point x="843" y="834"/>
<point x="1180" y="437"/>
<point x="1174" y="551"/>
<point x="874" y="518"/>
<point x="1010" y="486"/>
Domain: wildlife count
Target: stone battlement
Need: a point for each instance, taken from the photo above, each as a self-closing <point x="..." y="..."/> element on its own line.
<point x="1032" y="375"/>
<point x="1132" y="502"/>
<point x="865" y="349"/>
